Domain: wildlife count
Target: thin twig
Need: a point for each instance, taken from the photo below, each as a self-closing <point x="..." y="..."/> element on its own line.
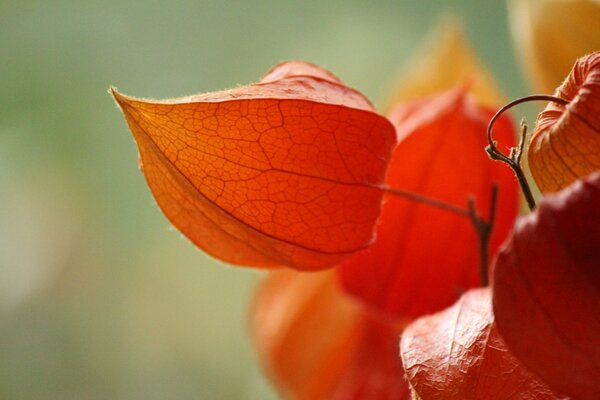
<point x="514" y="157"/>
<point x="419" y="198"/>
<point x="483" y="228"/>
<point x="522" y="141"/>
<point x="484" y="231"/>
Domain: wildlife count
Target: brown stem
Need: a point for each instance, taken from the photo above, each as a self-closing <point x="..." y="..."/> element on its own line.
<point x="484" y="231"/>
<point x="514" y="158"/>
<point x="482" y="228"/>
<point x="419" y="198"/>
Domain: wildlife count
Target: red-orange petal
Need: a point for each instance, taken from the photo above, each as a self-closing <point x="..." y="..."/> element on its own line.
<point x="424" y="257"/>
<point x="547" y="290"/>
<point x="565" y="144"/>
<point x="284" y="172"/>
<point x="316" y="343"/>
<point x="458" y="354"/>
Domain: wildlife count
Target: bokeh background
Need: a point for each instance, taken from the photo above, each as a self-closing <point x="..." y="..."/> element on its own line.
<point x="99" y="298"/>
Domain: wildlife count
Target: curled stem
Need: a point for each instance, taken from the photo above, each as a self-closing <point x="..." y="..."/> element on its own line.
<point x="513" y="159"/>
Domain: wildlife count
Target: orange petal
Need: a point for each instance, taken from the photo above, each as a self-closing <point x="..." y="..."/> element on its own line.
<point x="446" y="60"/>
<point x="551" y="34"/>
<point x="459" y="354"/>
<point x="565" y="144"/>
<point x="547" y="290"/>
<point x="315" y="343"/>
<point x="425" y="257"/>
<point x="284" y="172"/>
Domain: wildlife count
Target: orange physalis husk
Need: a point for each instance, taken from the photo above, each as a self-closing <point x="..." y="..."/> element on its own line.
<point x="565" y="144"/>
<point x="458" y="354"/>
<point x="314" y="342"/>
<point x="425" y="257"/>
<point x="547" y="290"/>
<point x="283" y="172"/>
<point x="427" y="73"/>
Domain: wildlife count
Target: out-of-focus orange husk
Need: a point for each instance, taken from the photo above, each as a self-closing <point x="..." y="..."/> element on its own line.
<point x="445" y="60"/>
<point x="549" y="35"/>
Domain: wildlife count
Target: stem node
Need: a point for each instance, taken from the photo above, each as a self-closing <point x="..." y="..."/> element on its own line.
<point x="514" y="157"/>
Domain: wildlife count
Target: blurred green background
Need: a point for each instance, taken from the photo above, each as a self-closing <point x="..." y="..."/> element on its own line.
<point x="99" y="298"/>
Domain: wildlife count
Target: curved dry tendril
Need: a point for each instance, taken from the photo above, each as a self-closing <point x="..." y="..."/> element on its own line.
<point x="483" y="228"/>
<point x="514" y="157"/>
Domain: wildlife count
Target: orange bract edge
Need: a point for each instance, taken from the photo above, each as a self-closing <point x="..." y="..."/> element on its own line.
<point x="565" y="144"/>
<point x="287" y="171"/>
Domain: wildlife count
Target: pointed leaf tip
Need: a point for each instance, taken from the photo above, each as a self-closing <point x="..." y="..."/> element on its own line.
<point x="119" y="98"/>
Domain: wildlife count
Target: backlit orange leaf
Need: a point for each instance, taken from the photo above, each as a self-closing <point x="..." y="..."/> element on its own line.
<point x="550" y="35"/>
<point x="458" y="354"/>
<point x="424" y="257"/>
<point x="316" y="343"/>
<point x="283" y="172"/>
<point x="566" y="142"/>
<point x="547" y="290"/>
